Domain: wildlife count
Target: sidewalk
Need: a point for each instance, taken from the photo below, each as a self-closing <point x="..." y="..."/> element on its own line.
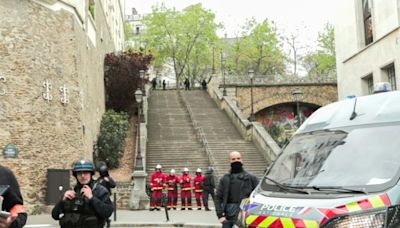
<point x="144" y="218"/>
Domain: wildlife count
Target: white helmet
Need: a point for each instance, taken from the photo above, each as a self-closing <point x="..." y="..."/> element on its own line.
<point x="158" y="166"/>
<point x="185" y="169"/>
<point x="172" y="171"/>
<point x="198" y="170"/>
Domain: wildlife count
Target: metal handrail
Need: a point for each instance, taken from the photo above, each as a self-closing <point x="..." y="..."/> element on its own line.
<point x="200" y="133"/>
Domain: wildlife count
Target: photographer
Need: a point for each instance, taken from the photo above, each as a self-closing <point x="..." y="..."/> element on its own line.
<point x="107" y="181"/>
<point x="88" y="205"/>
<point x="11" y="200"/>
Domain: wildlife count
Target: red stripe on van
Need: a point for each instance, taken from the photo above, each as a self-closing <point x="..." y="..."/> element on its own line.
<point x="386" y="199"/>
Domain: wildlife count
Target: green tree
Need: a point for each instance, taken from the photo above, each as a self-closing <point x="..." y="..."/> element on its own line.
<point x="111" y="140"/>
<point x="260" y="48"/>
<point x="322" y="61"/>
<point x="178" y="38"/>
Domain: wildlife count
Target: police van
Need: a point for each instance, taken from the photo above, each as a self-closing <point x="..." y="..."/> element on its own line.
<point x="340" y="169"/>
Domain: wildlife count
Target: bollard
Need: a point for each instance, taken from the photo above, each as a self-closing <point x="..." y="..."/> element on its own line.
<point x="164" y="204"/>
<point x="115" y="206"/>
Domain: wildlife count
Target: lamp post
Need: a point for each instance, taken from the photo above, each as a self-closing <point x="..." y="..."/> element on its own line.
<point x="252" y="116"/>
<point x="213" y="58"/>
<point x="142" y="78"/>
<point x="139" y="159"/>
<point x="298" y="96"/>
<point x="223" y="62"/>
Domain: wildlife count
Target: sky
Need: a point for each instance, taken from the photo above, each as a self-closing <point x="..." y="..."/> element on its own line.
<point x="302" y="18"/>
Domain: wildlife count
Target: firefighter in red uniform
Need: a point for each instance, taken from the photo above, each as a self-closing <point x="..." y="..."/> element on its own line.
<point x="157" y="184"/>
<point x="186" y="190"/>
<point x="172" y="187"/>
<point x="198" y="184"/>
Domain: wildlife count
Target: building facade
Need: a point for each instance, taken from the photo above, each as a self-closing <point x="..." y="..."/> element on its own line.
<point x="367" y="34"/>
<point x="52" y="94"/>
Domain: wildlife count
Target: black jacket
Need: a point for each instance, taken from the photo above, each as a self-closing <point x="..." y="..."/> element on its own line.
<point x="209" y="183"/>
<point x="12" y="196"/>
<point x="99" y="207"/>
<point x="249" y="183"/>
<point x="107" y="184"/>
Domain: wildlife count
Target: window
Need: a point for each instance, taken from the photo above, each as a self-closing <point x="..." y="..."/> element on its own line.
<point x="391" y="75"/>
<point x="368" y="34"/>
<point x="137" y="30"/>
<point x="368" y="82"/>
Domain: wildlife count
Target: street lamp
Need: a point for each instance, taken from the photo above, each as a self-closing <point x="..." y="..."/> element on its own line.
<point x="223" y="62"/>
<point x="213" y="58"/>
<point x="142" y="78"/>
<point x="251" y="75"/>
<point x="139" y="159"/>
<point x="298" y="96"/>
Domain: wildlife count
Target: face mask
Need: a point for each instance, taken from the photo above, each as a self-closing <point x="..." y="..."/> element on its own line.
<point x="236" y="166"/>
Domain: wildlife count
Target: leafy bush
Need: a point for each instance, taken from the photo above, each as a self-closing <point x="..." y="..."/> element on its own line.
<point x="111" y="140"/>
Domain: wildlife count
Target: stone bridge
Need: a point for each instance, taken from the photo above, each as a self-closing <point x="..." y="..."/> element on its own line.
<point x="274" y="93"/>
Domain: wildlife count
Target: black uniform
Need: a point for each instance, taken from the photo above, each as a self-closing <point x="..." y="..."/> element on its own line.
<point x="82" y="212"/>
<point x="107" y="184"/>
<point x="12" y="199"/>
<point x="209" y="188"/>
<point x="232" y="188"/>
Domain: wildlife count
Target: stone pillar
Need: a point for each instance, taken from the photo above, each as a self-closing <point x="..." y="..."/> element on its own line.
<point x="139" y="199"/>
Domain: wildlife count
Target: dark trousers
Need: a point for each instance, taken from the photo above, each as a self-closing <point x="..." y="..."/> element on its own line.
<point x="231" y="214"/>
<point x="206" y="194"/>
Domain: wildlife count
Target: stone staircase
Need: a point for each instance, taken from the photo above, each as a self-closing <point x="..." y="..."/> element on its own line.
<point x="172" y="140"/>
<point x="219" y="135"/>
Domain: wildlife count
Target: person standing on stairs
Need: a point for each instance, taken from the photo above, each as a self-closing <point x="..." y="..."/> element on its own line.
<point x="186" y="190"/>
<point x="232" y="188"/>
<point x="172" y="188"/>
<point x="198" y="184"/>
<point x="209" y="187"/>
<point x="157" y="184"/>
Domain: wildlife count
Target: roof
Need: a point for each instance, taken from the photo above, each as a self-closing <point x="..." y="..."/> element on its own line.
<point x="371" y="109"/>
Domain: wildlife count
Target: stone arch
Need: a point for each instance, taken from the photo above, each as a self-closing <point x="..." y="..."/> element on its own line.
<point x="269" y="95"/>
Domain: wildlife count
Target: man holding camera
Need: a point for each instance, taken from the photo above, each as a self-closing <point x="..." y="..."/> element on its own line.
<point x="88" y="205"/>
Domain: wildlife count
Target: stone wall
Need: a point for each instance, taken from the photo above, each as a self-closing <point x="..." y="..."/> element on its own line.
<point x="39" y="46"/>
<point x="123" y="191"/>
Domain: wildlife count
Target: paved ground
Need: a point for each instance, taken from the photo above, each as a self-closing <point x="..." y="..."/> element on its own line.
<point x="144" y="218"/>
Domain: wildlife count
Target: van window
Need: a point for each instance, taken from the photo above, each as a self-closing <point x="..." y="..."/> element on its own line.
<point x="366" y="157"/>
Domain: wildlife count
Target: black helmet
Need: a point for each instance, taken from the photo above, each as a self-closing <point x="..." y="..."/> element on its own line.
<point x="210" y="169"/>
<point x="103" y="170"/>
<point x="82" y="165"/>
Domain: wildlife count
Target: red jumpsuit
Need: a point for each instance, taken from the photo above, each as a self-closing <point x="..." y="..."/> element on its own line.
<point x="157" y="184"/>
<point x="172" y="187"/>
<point x="198" y="184"/>
<point x="186" y="191"/>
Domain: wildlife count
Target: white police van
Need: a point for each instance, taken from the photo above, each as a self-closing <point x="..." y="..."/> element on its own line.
<point x="340" y="169"/>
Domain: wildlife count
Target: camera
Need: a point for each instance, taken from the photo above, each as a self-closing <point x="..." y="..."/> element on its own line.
<point x="78" y="202"/>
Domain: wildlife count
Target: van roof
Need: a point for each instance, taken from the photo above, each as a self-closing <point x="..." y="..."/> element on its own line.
<point x="376" y="108"/>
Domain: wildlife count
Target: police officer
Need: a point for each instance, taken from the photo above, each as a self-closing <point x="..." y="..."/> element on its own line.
<point x="107" y="181"/>
<point x="88" y="205"/>
<point x="209" y="187"/>
<point x="12" y="200"/>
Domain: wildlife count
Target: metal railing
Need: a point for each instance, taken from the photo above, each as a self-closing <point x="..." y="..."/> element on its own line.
<point x="200" y="134"/>
<point x="276" y="80"/>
